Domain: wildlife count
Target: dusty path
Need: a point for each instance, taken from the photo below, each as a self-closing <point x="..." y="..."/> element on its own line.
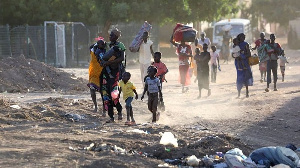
<point x="261" y="120"/>
<point x="38" y="135"/>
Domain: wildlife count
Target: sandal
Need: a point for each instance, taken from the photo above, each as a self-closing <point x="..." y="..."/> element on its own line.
<point x="110" y="121"/>
<point x="127" y="123"/>
<point x="132" y="124"/>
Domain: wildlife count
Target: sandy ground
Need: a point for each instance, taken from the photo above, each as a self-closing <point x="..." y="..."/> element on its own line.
<point x="262" y="119"/>
<point x="38" y="135"/>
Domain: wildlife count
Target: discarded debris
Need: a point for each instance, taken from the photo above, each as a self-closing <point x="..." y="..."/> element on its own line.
<point x="15" y="106"/>
<point x="168" y="139"/>
<point x="74" y="117"/>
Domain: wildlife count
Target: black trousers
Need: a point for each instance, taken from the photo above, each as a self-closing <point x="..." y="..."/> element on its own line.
<point x="152" y="104"/>
<point x="272" y="65"/>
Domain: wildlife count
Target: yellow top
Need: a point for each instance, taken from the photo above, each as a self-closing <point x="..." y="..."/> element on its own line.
<point x="127" y="89"/>
<point x="94" y="72"/>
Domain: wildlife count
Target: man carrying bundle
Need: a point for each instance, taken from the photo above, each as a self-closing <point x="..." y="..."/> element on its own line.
<point x="145" y="55"/>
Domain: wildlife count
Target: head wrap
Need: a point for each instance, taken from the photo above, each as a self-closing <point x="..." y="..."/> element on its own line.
<point x="272" y="35"/>
<point x="116" y="32"/>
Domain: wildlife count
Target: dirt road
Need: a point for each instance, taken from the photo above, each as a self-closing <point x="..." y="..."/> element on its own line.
<point x="263" y="119"/>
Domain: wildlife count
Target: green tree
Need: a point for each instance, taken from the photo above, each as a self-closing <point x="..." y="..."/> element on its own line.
<point x="156" y="11"/>
<point x="274" y="11"/>
<point x="108" y="12"/>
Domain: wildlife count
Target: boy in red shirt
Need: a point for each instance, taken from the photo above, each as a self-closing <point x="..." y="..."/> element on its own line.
<point x="161" y="67"/>
<point x="161" y="72"/>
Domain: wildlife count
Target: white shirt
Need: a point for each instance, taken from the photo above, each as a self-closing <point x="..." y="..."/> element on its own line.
<point x="206" y="40"/>
<point x="145" y="52"/>
<point x="282" y="60"/>
<point x="236" y="51"/>
<point x="213" y="58"/>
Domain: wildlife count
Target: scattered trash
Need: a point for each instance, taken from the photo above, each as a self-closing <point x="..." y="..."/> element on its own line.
<point x="291" y="146"/>
<point x="168" y="139"/>
<point x="275" y="155"/>
<point x="74" y="117"/>
<point x="167" y="149"/>
<point x="15" y="106"/>
<point x="117" y="130"/>
<point x="71" y="148"/>
<point x="138" y="131"/>
<point x="119" y="150"/>
<point x="280" y="166"/>
<point x="221" y="165"/>
<point x="207" y="161"/>
<point x="237" y="151"/>
<point x="74" y="102"/>
<point x="173" y="161"/>
<point x="103" y="131"/>
<point x="193" y="161"/>
<point x="89" y="148"/>
<point x="35" y="126"/>
<point x="220" y="154"/>
<point x="164" y="165"/>
<point x="102" y="147"/>
<point x="43" y="111"/>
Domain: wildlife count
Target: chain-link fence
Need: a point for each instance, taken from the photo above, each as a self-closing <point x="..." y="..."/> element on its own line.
<point x="5" y="50"/>
<point x="62" y="44"/>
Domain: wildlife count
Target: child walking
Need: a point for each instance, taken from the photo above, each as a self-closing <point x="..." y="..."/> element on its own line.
<point x="153" y="86"/>
<point x="160" y="66"/>
<point x="202" y="60"/>
<point x="282" y="62"/>
<point x="161" y="72"/>
<point x="100" y="52"/>
<point x="214" y="61"/>
<point x="128" y="90"/>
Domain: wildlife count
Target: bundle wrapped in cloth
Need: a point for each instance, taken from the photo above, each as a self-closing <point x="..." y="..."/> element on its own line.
<point x="137" y="41"/>
<point x="227" y="27"/>
<point x="184" y="33"/>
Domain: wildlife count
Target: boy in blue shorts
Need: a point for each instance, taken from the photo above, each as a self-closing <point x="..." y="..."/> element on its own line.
<point x="152" y="85"/>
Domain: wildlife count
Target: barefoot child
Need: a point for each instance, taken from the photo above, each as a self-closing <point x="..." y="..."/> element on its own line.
<point x="102" y="55"/>
<point x="202" y="60"/>
<point x="152" y="85"/>
<point x="161" y="72"/>
<point x="95" y="71"/>
<point x="214" y="61"/>
<point x="128" y="90"/>
<point x="282" y="61"/>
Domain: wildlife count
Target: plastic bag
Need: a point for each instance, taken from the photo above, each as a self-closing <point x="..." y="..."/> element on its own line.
<point x="168" y="139"/>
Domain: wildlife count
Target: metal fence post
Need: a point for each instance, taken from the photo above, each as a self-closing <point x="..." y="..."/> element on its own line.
<point x="27" y="41"/>
<point x="45" y="41"/>
<point x="8" y="39"/>
<point x="56" y="47"/>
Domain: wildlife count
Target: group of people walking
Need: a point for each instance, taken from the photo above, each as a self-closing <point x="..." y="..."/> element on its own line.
<point x="269" y="52"/>
<point x="108" y="76"/>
